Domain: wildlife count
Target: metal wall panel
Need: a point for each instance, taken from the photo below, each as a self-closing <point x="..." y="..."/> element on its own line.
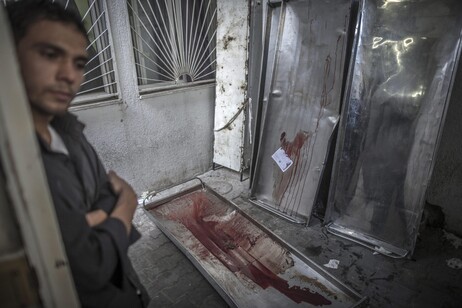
<point x="406" y="53"/>
<point x="302" y="107"/>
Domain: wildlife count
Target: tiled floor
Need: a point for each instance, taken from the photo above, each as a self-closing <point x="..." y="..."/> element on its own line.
<point x="426" y="280"/>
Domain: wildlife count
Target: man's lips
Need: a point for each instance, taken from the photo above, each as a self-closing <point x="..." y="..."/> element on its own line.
<point x="62" y="95"/>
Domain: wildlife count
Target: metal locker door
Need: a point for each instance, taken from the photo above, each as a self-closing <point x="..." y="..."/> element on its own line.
<point x="303" y="105"/>
<point x="405" y="58"/>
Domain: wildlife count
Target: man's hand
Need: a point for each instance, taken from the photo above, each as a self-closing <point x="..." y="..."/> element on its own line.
<point x="126" y="201"/>
<point x="95" y="217"/>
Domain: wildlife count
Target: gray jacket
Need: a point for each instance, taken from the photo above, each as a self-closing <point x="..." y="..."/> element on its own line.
<point x="102" y="272"/>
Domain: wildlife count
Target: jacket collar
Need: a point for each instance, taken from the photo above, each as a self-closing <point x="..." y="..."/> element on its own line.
<point x="68" y="123"/>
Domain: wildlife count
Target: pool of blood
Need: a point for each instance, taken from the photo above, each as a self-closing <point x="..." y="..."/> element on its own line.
<point x="238" y="244"/>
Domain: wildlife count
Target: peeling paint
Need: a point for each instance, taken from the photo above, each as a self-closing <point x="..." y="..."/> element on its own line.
<point x="227" y="40"/>
<point x="231" y="82"/>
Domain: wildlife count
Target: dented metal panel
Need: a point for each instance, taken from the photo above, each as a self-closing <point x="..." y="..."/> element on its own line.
<point x="303" y="104"/>
<point x="231" y="79"/>
<point x="400" y="83"/>
<point x="247" y="264"/>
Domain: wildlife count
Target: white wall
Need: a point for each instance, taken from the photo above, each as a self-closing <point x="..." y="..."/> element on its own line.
<point x="157" y="141"/>
<point x="231" y="88"/>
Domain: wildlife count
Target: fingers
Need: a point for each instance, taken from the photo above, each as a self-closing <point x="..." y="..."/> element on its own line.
<point x="126" y="199"/>
<point x="95" y="217"/>
<point x="117" y="183"/>
<point x="112" y="176"/>
<point x="125" y="207"/>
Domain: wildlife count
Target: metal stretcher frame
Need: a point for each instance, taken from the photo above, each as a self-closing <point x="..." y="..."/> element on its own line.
<point x="300" y="104"/>
<point x="399" y="86"/>
<point x="277" y="275"/>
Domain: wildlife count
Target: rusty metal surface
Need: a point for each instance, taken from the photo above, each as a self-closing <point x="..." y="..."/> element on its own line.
<point x="302" y="105"/>
<point x="246" y="263"/>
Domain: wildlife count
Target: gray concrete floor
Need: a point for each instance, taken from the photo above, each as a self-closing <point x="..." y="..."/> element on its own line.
<point x="425" y="280"/>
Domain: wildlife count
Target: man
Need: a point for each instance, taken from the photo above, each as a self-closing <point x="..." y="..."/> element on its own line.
<point x="94" y="209"/>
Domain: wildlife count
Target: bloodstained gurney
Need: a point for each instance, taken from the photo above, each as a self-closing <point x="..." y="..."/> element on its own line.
<point x="246" y="263"/>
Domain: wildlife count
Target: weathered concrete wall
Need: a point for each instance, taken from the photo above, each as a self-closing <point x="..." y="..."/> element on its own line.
<point x="231" y="88"/>
<point x="157" y="141"/>
<point x="445" y="187"/>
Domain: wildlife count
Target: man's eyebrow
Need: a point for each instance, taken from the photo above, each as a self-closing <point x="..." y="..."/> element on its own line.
<point x="48" y="45"/>
<point x="58" y="49"/>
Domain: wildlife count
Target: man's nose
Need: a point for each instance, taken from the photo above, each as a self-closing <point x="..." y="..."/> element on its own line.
<point x="68" y="72"/>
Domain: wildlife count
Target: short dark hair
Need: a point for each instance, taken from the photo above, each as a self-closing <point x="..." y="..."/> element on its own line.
<point x="22" y="14"/>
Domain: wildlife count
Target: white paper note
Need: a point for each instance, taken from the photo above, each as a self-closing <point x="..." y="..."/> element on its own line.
<point x="332" y="264"/>
<point x="282" y="160"/>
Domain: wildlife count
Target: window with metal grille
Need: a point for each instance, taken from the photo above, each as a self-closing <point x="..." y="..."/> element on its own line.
<point x="100" y="81"/>
<point x="173" y="42"/>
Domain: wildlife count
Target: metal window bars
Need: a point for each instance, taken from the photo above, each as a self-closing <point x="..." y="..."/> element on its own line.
<point x="100" y="74"/>
<point x="174" y="41"/>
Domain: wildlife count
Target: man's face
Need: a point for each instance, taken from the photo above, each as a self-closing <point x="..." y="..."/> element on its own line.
<point x="52" y="56"/>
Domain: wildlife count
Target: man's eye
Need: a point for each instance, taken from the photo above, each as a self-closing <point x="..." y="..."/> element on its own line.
<point x="80" y="65"/>
<point x="49" y="54"/>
